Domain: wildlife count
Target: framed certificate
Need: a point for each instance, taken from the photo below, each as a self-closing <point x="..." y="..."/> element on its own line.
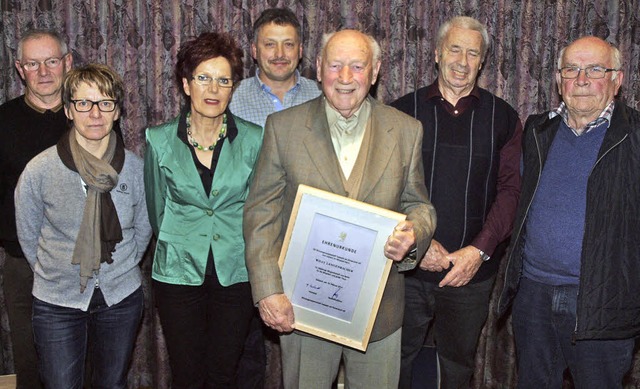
<point x="333" y="266"/>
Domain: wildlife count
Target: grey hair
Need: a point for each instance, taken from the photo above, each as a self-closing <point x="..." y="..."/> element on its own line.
<point x="38" y="33"/>
<point x="616" y="58"/>
<point x="374" y="46"/>
<point x="465" y="22"/>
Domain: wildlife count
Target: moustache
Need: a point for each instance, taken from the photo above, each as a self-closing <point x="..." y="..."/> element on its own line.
<point x="280" y="60"/>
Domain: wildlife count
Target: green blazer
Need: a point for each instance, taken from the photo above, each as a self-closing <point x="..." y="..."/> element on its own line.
<point x="187" y="222"/>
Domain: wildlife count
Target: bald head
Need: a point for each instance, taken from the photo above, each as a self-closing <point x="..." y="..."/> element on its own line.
<point x="348" y="66"/>
<point x="597" y="65"/>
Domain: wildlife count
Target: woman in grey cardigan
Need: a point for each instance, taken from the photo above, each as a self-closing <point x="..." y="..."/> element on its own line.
<point x="83" y="226"/>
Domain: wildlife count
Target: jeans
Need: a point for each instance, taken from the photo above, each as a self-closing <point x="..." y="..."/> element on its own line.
<point x="205" y="328"/>
<point x="18" y="283"/>
<point x="458" y="315"/>
<point x="64" y="335"/>
<point x="544" y="319"/>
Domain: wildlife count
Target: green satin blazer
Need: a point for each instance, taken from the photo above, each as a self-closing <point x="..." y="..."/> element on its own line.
<point x="184" y="219"/>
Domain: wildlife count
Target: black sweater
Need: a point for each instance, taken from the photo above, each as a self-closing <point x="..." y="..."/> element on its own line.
<point x="24" y="133"/>
<point x="463" y="157"/>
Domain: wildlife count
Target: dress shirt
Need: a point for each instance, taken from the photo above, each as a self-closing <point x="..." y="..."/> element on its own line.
<point x="605" y="115"/>
<point x="254" y="101"/>
<point x="347" y="134"/>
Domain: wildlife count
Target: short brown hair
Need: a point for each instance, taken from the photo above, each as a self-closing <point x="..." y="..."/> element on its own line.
<point x="103" y="77"/>
<point x="206" y="46"/>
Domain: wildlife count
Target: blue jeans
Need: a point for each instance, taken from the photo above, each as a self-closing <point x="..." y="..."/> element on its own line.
<point x="544" y="319"/>
<point x="62" y="336"/>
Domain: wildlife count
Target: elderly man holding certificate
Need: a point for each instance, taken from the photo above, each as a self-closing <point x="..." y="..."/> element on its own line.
<point x="349" y="144"/>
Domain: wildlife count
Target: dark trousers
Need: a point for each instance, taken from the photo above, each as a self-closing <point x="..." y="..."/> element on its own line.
<point x="18" y="283"/>
<point x="544" y="318"/>
<point x="205" y="328"/>
<point x="65" y="336"/>
<point x="457" y="314"/>
<point x="253" y="362"/>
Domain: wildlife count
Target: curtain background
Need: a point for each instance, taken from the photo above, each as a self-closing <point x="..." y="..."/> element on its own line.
<point x="140" y="39"/>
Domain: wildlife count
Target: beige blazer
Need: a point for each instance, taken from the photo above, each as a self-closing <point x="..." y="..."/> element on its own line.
<point x="297" y="149"/>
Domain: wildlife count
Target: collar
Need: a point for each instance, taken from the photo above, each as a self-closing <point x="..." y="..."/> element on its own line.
<point x="333" y="116"/>
<point x="267" y="88"/>
<point x="605" y="115"/>
<point x="40" y="109"/>
<point x="232" y="129"/>
<point x="433" y="91"/>
<point x="465" y="102"/>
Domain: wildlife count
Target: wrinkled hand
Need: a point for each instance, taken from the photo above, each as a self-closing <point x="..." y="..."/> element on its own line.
<point x="466" y="263"/>
<point x="277" y="312"/>
<point x="435" y="258"/>
<point x="400" y="241"/>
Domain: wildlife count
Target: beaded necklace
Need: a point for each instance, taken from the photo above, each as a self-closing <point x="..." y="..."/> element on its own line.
<point x="223" y="132"/>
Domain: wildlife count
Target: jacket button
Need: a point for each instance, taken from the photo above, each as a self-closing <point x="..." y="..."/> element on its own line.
<point x="210" y="212"/>
<point x="216" y="237"/>
<point x="215" y="192"/>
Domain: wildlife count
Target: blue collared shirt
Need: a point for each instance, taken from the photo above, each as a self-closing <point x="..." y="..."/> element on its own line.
<point x="253" y="100"/>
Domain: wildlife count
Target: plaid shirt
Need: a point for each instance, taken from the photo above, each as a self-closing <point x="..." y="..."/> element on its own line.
<point x="605" y="115"/>
<point x="253" y="100"/>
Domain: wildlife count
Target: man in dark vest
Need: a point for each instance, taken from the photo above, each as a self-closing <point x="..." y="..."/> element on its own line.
<point x="28" y="124"/>
<point x="471" y="154"/>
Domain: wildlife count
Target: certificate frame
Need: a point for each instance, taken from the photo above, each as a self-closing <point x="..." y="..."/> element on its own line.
<point x="347" y="320"/>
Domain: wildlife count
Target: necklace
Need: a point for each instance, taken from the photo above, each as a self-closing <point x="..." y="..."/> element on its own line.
<point x="223" y="132"/>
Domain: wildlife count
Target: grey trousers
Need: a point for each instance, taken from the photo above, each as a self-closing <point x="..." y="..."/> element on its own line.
<point x="310" y="362"/>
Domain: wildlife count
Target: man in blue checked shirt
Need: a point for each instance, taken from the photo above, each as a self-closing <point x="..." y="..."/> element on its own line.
<point x="277" y="48"/>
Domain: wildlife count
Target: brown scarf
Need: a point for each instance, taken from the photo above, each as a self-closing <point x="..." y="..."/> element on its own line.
<point x="100" y="229"/>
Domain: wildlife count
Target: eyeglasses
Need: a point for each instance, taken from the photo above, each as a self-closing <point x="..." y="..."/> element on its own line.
<point x="50" y="63"/>
<point x="107" y="105"/>
<point x="594" y="72"/>
<point x="205" y="80"/>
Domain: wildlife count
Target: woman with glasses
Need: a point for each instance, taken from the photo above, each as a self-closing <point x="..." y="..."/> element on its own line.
<point x="82" y="223"/>
<point x="198" y="168"/>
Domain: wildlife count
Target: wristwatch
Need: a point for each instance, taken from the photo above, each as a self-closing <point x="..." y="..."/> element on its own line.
<point x="413" y="254"/>
<point x="484" y="256"/>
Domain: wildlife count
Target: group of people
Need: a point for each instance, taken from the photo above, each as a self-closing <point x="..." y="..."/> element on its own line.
<point x="218" y="184"/>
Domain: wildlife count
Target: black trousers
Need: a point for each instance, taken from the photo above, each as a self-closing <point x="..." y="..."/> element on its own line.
<point x="458" y="315"/>
<point x="205" y="328"/>
<point x="18" y="283"/>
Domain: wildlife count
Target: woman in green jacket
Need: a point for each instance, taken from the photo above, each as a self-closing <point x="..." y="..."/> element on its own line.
<point x="197" y="173"/>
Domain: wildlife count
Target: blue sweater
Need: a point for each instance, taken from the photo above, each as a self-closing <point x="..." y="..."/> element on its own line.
<point x="555" y="226"/>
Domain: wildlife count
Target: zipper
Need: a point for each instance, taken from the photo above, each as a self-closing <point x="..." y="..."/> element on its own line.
<point x="535" y="137"/>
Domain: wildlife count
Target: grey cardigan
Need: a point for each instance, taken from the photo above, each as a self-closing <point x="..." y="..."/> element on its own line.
<point x="49" y="201"/>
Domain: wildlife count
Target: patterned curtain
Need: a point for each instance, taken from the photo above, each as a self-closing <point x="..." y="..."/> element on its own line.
<point x="140" y="40"/>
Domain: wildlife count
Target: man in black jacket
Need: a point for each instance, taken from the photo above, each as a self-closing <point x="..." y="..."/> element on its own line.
<point x="28" y="124"/>
<point x="574" y="272"/>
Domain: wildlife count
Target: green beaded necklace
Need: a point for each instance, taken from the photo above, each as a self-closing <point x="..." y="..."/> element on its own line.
<point x="223" y="132"/>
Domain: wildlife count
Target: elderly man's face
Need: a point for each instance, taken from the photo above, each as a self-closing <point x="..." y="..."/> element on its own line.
<point x="44" y="83"/>
<point x="459" y="59"/>
<point x="587" y="97"/>
<point x="347" y="71"/>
